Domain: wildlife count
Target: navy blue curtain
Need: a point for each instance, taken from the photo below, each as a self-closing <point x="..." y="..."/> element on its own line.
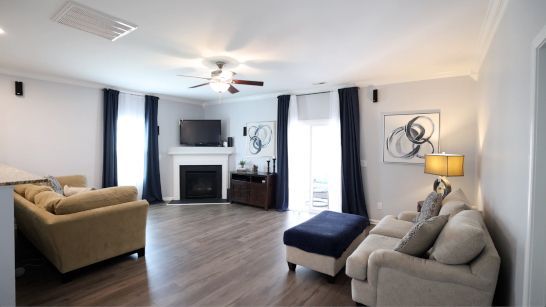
<point x="151" y="188"/>
<point x="352" y="188"/>
<point x="109" y="156"/>
<point x="282" y="152"/>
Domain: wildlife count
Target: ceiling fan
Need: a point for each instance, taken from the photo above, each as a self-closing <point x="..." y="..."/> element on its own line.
<point x="222" y="80"/>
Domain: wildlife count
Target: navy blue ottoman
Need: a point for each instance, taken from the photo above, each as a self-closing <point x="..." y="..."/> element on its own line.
<point x="324" y="242"/>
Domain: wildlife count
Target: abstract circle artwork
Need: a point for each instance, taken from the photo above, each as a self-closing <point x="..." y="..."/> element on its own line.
<point x="409" y="137"/>
<point x="261" y="139"/>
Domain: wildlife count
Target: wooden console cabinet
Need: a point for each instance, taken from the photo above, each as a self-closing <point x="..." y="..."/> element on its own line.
<point x="255" y="189"/>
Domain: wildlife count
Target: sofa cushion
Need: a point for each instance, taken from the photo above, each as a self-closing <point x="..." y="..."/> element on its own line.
<point x="328" y="233"/>
<point x="48" y="200"/>
<point x="21" y="188"/>
<point x="421" y="236"/>
<point x="69" y="191"/>
<point x="96" y="199"/>
<point x="431" y="207"/>
<point x="453" y="207"/>
<point x="461" y="240"/>
<point x="390" y="226"/>
<point x="32" y="190"/>
<point x="357" y="263"/>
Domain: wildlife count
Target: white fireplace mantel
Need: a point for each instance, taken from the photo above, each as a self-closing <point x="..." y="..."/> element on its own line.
<point x="200" y="156"/>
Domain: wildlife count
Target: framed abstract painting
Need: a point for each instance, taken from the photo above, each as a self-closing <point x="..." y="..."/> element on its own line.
<point x="260" y="139"/>
<point x="408" y="137"/>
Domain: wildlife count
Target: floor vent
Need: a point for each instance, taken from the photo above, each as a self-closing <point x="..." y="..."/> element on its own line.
<point x="84" y="18"/>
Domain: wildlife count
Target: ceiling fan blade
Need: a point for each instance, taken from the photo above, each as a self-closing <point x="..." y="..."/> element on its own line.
<point x="232" y="89"/>
<point x="246" y="82"/>
<point x="199" y="85"/>
<point x="186" y="76"/>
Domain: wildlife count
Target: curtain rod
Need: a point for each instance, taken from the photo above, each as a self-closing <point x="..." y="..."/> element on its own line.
<point x="313" y="93"/>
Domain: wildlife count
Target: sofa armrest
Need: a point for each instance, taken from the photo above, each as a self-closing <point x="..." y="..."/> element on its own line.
<point x="408" y="216"/>
<point x="87" y="237"/>
<point x="423" y="268"/>
<point x="73" y="181"/>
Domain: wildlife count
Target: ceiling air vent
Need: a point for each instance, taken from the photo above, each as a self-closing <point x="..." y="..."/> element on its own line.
<point x="92" y="21"/>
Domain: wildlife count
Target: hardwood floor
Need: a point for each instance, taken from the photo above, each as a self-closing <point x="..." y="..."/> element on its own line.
<point x="195" y="255"/>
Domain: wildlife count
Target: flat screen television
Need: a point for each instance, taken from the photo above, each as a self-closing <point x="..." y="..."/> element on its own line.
<point x="200" y="132"/>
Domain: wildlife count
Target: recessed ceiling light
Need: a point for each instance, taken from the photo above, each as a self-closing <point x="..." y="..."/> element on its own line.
<point x="2" y="31"/>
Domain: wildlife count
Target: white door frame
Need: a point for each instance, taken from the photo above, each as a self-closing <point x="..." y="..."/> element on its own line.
<point x="532" y="226"/>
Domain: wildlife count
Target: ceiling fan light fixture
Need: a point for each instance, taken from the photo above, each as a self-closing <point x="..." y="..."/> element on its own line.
<point x="219" y="87"/>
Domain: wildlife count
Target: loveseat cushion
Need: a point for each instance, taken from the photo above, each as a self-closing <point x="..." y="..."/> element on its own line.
<point x="48" y="200"/>
<point x="421" y="236"/>
<point x="328" y="233"/>
<point x="357" y="263"/>
<point x="96" y="199"/>
<point x="461" y="240"/>
<point x="390" y="226"/>
<point x="32" y="190"/>
<point x="21" y="188"/>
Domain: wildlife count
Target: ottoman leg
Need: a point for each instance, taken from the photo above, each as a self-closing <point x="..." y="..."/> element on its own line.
<point x="291" y="266"/>
<point x="331" y="279"/>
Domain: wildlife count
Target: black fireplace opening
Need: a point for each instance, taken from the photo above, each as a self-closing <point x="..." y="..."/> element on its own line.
<point x="200" y="182"/>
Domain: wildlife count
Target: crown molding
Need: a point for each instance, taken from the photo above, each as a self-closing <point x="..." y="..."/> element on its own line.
<point x="89" y="84"/>
<point x="495" y="12"/>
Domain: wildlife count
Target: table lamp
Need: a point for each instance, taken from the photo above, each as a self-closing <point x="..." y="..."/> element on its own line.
<point x="444" y="165"/>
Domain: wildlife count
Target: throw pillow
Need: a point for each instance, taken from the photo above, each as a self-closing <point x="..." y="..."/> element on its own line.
<point x="461" y="240"/>
<point x="431" y="207"/>
<point x="20" y="188"/>
<point x="421" y="236"/>
<point x="48" y="200"/>
<point x="453" y="207"/>
<point x="457" y="195"/>
<point x="69" y="191"/>
<point x="55" y="184"/>
<point x="33" y="190"/>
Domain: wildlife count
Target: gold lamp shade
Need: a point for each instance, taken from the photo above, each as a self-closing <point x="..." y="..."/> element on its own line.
<point x="447" y="165"/>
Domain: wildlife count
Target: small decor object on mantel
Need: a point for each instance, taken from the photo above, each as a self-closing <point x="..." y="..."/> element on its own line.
<point x="255" y="168"/>
<point x="408" y="137"/>
<point x="260" y="139"/>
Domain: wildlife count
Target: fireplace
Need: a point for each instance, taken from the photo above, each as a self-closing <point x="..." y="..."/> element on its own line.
<point x="200" y="182"/>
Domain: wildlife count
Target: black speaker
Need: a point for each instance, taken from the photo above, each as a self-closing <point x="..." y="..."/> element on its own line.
<point x="375" y="98"/>
<point x="244" y="131"/>
<point x="230" y="141"/>
<point x="18" y="88"/>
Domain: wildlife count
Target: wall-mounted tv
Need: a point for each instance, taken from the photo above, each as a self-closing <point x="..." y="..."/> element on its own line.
<point x="200" y="132"/>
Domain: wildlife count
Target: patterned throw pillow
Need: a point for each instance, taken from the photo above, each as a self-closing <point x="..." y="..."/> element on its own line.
<point x="421" y="236"/>
<point x="55" y="184"/>
<point x="431" y="207"/>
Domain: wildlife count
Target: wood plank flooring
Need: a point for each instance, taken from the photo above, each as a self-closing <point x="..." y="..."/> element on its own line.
<point x="195" y="255"/>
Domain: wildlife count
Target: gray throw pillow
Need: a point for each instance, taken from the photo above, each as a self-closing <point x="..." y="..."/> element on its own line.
<point x="461" y="240"/>
<point x="55" y="184"/>
<point x="431" y="207"/>
<point x="421" y="236"/>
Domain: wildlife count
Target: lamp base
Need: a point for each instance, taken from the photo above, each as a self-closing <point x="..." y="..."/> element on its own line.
<point x="442" y="186"/>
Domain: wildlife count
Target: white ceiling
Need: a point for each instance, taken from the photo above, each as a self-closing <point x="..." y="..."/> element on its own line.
<point x="287" y="44"/>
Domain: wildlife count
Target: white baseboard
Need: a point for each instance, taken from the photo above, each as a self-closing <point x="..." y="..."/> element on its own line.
<point x="167" y="198"/>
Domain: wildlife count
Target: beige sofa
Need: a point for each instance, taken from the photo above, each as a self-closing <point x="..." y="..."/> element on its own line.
<point x="89" y="227"/>
<point x="382" y="276"/>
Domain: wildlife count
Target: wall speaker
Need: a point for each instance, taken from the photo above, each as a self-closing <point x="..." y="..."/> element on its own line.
<point x="230" y="141"/>
<point x="244" y="131"/>
<point x="18" y="88"/>
<point x="375" y="97"/>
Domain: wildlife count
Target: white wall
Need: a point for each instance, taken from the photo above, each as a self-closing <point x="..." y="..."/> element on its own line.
<point x="54" y="129"/>
<point x="169" y="115"/>
<point x="400" y="186"/>
<point x="504" y="128"/>
<point x="57" y="129"/>
<point x="234" y="117"/>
